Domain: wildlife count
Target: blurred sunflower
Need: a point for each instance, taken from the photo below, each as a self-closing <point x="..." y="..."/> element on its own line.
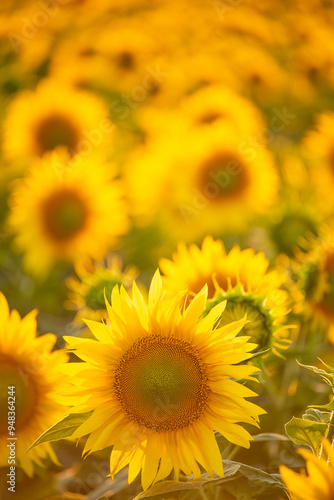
<point x="319" y="144"/>
<point x="241" y="278"/>
<point x="204" y="181"/>
<point x="64" y="212"/>
<point x="95" y="280"/>
<point x="127" y="50"/>
<point x="291" y="223"/>
<point x="215" y="103"/>
<point x="260" y="75"/>
<point x="316" y="270"/>
<point x="28" y="364"/>
<point x="76" y="60"/>
<point x="159" y="382"/>
<point x="319" y="481"/>
<point x="51" y="117"/>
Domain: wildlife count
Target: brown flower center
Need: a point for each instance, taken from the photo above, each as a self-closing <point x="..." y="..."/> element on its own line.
<point x="56" y="131"/>
<point x="161" y="383"/>
<point x="126" y="60"/>
<point x="223" y="177"/>
<point x="64" y="215"/>
<point x="25" y="393"/>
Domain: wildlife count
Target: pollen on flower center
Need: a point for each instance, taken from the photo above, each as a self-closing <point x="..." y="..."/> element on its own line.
<point x="226" y="173"/>
<point x="25" y="392"/>
<point x="64" y="215"/>
<point x="161" y="383"/>
<point x="56" y="131"/>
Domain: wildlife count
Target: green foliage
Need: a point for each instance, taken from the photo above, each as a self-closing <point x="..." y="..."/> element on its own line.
<point x="62" y="429"/>
<point x="306" y="432"/>
<point x="239" y="480"/>
<point x="327" y="376"/>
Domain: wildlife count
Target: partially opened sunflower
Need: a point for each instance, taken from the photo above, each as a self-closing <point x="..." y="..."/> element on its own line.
<point x="159" y="382"/>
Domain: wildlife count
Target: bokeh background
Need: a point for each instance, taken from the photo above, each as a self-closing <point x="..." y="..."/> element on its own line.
<point x="128" y="126"/>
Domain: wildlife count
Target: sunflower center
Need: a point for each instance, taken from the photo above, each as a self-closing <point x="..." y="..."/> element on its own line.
<point x="210" y="116"/>
<point x="15" y="375"/>
<point x="161" y="383"/>
<point x="56" y="131"/>
<point x="126" y="60"/>
<point x="64" y="215"/>
<point x="95" y="296"/>
<point x="223" y="177"/>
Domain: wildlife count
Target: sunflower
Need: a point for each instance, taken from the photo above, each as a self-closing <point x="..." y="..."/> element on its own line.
<point x="159" y="383"/>
<point x="319" y="144"/>
<point x="291" y="223"/>
<point x="128" y="51"/>
<point x="64" y="212"/>
<point x="319" y="481"/>
<point x="260" y="75"/>
<point x="214" y="103"/>
<point x="241" y="278"/>
<point x="86" y="294"/>
<point x="28" y="365"/>
<point x="315" y="269"/>
<point x="202" y="181"/>
<point x="54" y="116"/>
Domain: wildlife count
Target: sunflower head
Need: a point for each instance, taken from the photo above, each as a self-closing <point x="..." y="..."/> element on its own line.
<point x="215" y="103"/>
<point x="217" y="187"/>
<point x="50" y="117"/>
<point x="160" y="380"/>
<point x="315" y="269"/>
<point x="241" y="278"/>
<point x="319" y="148"/>
<point x="94" y="282"/>
<point x="319" y="481"/>
<point x="288" y="231"/>
<point x="266" y="315"/>
<point x="33" y="371"/>
<point x="193" y="267"/>
<point x="66" y="209"/>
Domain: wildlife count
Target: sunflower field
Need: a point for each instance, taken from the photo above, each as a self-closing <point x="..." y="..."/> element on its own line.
<point x="167" y="250"/>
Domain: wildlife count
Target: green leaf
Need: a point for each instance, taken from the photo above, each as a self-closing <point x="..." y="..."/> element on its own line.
<point x="62" y="429"/>
<point x="329" y="406"/>
<point x="306" y="432"/>
<point x="315" y="415"/>
<point x="259" y="477"/>
<point x="238" y="477"/>
<point x="250" y="482"/>
<point x="166" y="487"/>
<point x="103" y="498"/>
<point x="327" y="377"/>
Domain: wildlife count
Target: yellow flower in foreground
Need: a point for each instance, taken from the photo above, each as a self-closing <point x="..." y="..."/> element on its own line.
<point x="319" y="483"/>
<point x="86" y="294"/>
<point x="27" y="364"/>
<point x="65" y="212"/>
<point x="160" y="381"/>
<point x="241" y="277"/>
<point x="53" y="116"/>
